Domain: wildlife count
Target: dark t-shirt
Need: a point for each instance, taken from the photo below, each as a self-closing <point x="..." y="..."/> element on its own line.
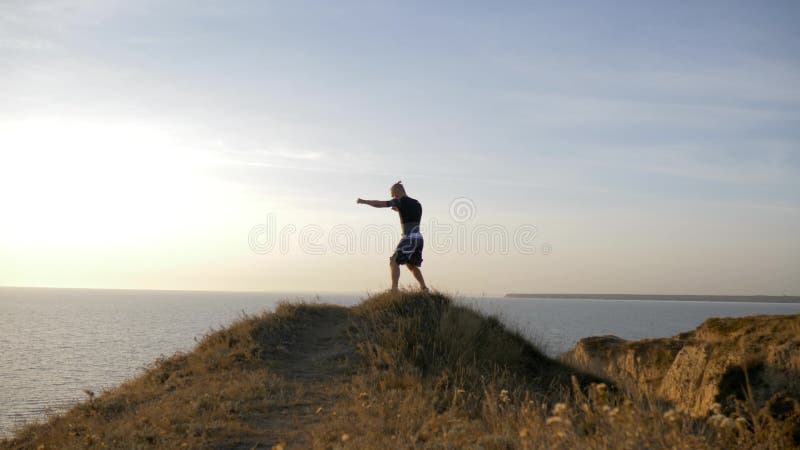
<point x="410" y="213"/>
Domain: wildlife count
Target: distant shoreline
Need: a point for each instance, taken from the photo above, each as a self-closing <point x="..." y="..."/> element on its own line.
<point x="662" y="297"/>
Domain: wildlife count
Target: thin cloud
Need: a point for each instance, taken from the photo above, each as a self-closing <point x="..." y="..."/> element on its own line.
<point x="302" y="155"/>
<point x="26" y="44"/>
<point x="767" y="166"/>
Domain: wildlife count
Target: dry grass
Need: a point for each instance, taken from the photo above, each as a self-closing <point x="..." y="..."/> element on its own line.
<point x="397" y="371"/>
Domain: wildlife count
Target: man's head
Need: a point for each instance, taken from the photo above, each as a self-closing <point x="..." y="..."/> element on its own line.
<point x="397" y="190"/>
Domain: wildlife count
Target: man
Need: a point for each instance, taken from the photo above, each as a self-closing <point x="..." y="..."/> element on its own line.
<point x="409" y="250"/>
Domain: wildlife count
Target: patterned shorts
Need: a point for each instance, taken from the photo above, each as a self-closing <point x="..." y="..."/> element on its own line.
<point x="409" y="250"/>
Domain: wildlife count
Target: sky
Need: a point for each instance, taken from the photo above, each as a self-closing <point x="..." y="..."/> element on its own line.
<point x="556" y="147"/>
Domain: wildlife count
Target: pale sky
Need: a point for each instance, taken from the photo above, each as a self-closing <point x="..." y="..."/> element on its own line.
<point x="654" y="146"/>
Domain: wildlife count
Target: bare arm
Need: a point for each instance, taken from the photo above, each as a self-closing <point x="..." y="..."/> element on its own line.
<point x="374" y="203"/>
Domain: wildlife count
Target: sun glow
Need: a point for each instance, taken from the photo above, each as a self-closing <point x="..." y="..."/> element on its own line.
<point x="79" y="184"/>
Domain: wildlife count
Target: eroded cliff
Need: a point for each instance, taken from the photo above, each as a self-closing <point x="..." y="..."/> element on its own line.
<point x="715" y="363"/>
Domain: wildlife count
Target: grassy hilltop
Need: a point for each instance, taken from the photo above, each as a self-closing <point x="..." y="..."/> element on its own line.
<point x="396" y="371"/>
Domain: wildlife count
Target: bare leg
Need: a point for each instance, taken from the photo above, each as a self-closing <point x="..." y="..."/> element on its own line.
<point x="395" y="271"/>
<point x="418" y="275"/>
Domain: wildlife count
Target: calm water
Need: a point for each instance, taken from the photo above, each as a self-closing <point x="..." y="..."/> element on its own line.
<point x="54" y="343"/>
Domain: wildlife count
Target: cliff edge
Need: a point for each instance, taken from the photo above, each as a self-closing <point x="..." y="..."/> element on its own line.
<point x="723" y="360"/>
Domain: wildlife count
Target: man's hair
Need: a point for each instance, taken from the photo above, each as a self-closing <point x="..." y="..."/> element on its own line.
<point x="398" y="188"/>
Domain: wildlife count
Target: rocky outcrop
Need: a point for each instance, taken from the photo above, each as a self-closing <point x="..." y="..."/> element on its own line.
<point x="722" y="360"/>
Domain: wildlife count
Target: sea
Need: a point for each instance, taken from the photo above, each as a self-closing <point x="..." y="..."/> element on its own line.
<point x="56" y="344"/>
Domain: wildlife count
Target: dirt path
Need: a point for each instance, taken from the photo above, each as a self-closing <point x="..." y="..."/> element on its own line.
<point x="320" y="349"/>
<point x="316" y="365"/>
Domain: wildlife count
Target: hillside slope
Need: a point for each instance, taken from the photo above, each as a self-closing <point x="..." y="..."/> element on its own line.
<point x="396" y="371"/>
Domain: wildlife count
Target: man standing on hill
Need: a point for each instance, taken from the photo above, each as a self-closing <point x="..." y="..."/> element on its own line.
<point x="409" y="250"/>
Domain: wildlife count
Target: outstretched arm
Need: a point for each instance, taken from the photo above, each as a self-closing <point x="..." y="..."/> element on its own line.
<point x="374" y="203"/>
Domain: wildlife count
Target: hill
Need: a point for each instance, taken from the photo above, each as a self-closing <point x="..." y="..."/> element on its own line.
<point x="396" y="371"/>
